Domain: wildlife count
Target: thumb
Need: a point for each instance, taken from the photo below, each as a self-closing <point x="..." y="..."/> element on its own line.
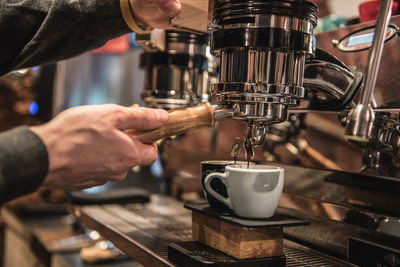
<point x="141" y="118"/>
<point x="171" y="7"/>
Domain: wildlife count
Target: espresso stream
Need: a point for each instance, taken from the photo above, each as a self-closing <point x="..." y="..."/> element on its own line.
<point x="247" y="147"/>
<point x="249" y="151"/>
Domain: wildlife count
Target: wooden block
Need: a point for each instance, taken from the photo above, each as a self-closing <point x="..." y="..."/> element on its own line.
<point x="193" y="16"/>
<point x="239" y="242"/>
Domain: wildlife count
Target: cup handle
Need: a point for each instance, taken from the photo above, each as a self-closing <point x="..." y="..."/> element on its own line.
<point x="212" y="192"/>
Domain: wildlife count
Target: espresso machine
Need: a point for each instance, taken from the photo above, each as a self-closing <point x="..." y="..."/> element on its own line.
<point x="271" y="65"/>
<point x="274" y="72"/>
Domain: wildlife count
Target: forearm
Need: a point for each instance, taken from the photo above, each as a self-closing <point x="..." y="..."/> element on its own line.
<point x="23" y="163"/>
<point x="36" y="32"/>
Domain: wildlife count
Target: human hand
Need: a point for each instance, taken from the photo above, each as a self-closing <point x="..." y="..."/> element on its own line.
<point x="87" y="146"/>
<point x="155" y="13"/>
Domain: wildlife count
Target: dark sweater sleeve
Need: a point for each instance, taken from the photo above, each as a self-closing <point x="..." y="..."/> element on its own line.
<point x="35" y="32"/>
<point x="24" y="163"/>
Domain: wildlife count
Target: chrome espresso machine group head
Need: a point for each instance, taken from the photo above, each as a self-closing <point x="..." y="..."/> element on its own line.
<point x="263" y="47"/>
<point x="176" y="68"/>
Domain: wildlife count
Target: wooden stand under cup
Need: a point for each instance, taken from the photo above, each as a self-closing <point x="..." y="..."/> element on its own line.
<point x="237" y="241"/>
<point x="238" y="237"/>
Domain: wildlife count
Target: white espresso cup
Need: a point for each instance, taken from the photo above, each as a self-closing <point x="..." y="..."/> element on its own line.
<point x="253" y="192"/>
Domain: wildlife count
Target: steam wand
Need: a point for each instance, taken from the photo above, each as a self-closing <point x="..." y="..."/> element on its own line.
<point x="362" y="116"/>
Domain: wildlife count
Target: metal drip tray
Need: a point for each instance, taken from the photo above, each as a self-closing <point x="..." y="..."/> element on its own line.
<point x="191" y="253"/>
<point x="143" y="231"/>
<point x="297" y="255"/>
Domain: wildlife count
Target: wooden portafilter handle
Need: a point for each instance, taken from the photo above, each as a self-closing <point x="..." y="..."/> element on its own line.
<point x="179" y="121"/>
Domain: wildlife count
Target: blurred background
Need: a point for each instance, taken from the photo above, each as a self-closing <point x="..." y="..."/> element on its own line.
<point x="112" y="74"/>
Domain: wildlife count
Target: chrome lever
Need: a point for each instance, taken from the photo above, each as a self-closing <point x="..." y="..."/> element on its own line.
<point x="361" y="117"/>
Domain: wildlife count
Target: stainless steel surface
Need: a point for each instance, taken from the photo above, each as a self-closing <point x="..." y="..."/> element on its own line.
<point x="261" y="77"/>
<point x="169" y="86"/>
<point x="251" y="77"/>
<point x="176" y="68"/>
<point x="338" y="112"/>
<point x="171" y="42"/>
<point x="221" y="113"/>
<point x="267" y="113"/>
<point x="339" y="207"/>
<point x="381" y="155"/>
<point x="359" y="123"/>
<point x="387" y="131"/>
<point x="274" y="21"/>
<point x="344" y="214"/>
<point x="297" y="255"/>
<point x="330" y="86"/>
<point x="264" y="72"/>
<point x="375" y="54"/>
<point x="361" y="118"/>
<point x="143" y="231"/>
<point x="256" y="133"/>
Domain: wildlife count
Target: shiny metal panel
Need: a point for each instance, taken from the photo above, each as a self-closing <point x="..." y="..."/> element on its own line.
<point x="261" y="66"/>
<point x="329" y="86"/>
<point x="274" y="21"/>
<point x="265" y="66"/>
<point x="338" y="211"/>
<point x="387" y="88"/>
<point x="255" y="77"/>
<point x="171" y="86"/>
<point x="175" y="64"/>
<point x="375" y="54"/>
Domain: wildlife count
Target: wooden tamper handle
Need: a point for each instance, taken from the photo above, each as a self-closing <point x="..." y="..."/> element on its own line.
<point x="179" y="121"/>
